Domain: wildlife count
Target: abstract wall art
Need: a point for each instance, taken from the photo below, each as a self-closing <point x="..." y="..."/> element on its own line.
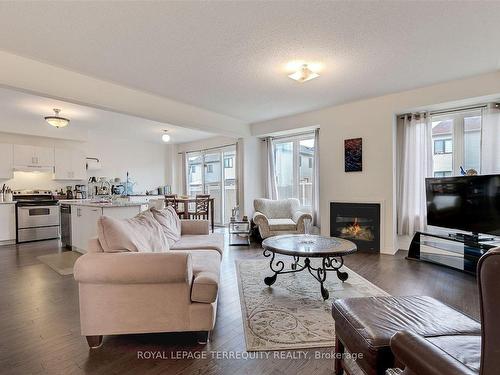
<point x="353" y="154"/>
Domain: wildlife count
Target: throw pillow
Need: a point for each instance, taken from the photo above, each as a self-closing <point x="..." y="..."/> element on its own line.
<point x="170" y="222"/>
<point x="141" y="233"/>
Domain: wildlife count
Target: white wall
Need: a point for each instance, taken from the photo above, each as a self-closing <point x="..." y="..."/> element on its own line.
<point x="374" y="121"/>
<point x="145" y="161"/>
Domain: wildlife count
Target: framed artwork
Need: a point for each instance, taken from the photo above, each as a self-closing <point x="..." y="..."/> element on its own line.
<point x="353" y="154"/>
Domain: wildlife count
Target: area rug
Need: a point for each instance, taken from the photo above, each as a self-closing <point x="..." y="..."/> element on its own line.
<point x="291" y="314"/>
<point x="62" y="262"/>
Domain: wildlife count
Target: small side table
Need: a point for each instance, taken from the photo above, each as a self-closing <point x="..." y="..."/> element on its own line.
<point x="238" y="228"/>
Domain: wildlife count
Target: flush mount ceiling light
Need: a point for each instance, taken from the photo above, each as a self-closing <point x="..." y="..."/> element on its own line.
<point x="303" y="74"/>
<point x="165" y="137"/>
<point x="57" y="121"/>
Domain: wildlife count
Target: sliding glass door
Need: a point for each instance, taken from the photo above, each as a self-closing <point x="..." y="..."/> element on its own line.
<point x="214" y="172"/>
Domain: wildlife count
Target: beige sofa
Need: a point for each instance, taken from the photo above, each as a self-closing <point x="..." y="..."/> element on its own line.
<point x="275" y="217"/>
<point x="135" y="292"/>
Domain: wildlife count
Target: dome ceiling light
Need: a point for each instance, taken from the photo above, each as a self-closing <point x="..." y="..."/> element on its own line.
<point x="56" y="120"/>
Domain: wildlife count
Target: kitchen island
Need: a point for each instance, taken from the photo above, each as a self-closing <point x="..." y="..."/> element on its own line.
<point x="83" y="216"/>
<point x="7" y="223"/>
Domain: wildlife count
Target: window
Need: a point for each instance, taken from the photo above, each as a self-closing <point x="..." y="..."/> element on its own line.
<point x="456" y="142"/>
<point x="443" y="146"/>
<point x="443" y="174"/>
<point x="294" y="163"/>
<point x="228" y="163"/>
<point x="193" y="169"/>
<point x="210" y="168"/>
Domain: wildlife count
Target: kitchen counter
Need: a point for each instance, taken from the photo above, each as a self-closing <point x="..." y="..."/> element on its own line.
<point x="89" y="203"/>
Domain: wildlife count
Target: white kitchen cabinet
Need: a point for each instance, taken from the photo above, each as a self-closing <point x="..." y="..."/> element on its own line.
<point x="6" y="167"/>
<point x="7" y="223"/>
<point x="83" y="225"/>
<point x="33" y="156"/>
<point x="84" y="222"/>
<point x="69" y="164"/>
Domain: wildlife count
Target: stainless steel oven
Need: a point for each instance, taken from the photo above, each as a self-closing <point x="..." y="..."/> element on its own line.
<point x="37" y="216"/>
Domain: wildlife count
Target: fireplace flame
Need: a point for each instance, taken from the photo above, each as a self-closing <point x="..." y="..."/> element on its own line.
<point x="357" y="231"/>
<point x="354" y="229"/>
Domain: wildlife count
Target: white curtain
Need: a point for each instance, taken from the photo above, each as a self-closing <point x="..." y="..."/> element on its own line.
<point x="271" y="184"/>
<point x="184" y="173"/>
<point x="414" y="165"/>
<point x="315" y="193"/>
<point x="490" y="140"/>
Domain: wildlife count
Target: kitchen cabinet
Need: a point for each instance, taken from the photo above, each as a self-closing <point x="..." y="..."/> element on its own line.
<point x="84" y="221"/>
<point x="69" y="164"/>
<point x="7" y="223"/>
<point x="33" y="156"/>
<point x="6" y="167"/>
<point x="83" y="225"/>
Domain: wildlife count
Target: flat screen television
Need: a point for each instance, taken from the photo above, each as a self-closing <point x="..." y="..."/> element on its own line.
<point x="469" y="203"/>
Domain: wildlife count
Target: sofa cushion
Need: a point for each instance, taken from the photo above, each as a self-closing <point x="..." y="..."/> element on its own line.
<point x="281" y="224"/>
<point x="170" y="222"/>
<point x="214" y="241"/>
<point x="277" y="209"/>
<point x="141" y="233"/>
<point x="206" y="271"/>
<point x="366" y="325"/>
<point x="464" y="348"/>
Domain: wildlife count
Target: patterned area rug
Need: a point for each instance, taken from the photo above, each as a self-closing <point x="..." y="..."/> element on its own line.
<point x="292" y="314"/>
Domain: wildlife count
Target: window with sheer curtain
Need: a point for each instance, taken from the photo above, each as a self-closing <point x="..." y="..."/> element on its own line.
<point x="294" y="168"/>
<point x="442" y="145"/>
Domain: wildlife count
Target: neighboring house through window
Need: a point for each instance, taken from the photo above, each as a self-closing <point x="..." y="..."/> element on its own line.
<point x="456" y="142"/>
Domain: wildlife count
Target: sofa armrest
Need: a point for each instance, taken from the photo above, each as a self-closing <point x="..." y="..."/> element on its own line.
<point x="194" y="227"/>
<point x="262" y="223"/>
<point x="205" y="287"/>
<point x="260" y="219"/>
<point x="298" y="218"/>
<point x="422" y="357"/>
<point x="134" y="268"/>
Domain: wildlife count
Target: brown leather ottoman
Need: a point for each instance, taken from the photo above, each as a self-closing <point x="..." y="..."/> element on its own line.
<point x="366" y="325"/>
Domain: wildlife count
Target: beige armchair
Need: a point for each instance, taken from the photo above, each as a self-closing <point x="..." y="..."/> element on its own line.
<point x="134" y="292"/>
<point x="275" y="217"/>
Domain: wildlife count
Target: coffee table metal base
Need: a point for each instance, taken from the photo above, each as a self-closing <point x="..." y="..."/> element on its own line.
<point x="328" y="264"/>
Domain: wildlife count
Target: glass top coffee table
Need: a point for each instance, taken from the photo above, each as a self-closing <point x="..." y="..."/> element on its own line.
<point x="330" y="250"/>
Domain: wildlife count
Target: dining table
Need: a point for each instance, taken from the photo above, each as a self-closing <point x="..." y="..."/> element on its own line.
<point x="184" y="212"/>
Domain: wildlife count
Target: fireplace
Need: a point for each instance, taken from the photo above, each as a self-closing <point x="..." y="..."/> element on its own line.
<point x="356" y="222"/>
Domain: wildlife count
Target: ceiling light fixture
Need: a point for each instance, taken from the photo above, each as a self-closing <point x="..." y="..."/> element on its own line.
<point x="57" y="121"/>
<point x="165" y="137"/>
<point x="303" y="74"/>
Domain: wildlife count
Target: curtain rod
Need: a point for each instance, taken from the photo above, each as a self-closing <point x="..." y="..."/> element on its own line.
<point x="206" y="149"/>
<point x="309" y="132"/>
<point x="452" y="110"/>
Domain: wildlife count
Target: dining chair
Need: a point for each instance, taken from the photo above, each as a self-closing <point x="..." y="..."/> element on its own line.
<point x="201" y="207"/>
<point x="171" y="200"/>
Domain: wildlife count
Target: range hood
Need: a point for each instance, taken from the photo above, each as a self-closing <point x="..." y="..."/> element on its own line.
<point x="34" y="168"/>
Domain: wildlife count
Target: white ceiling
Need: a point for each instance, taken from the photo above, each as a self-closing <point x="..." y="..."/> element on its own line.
<point x="24" y="113"/>
<point x="230" y="57"/>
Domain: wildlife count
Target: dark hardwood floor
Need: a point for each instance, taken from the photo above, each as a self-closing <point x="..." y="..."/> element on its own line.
<point x="40" y="333"/>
